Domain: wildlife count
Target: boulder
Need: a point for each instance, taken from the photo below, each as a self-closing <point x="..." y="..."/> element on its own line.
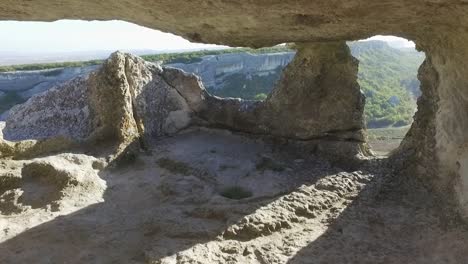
<point x="124" y="100"/>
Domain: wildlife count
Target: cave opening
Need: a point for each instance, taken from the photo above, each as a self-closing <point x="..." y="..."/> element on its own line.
<point x="388" y="77"/>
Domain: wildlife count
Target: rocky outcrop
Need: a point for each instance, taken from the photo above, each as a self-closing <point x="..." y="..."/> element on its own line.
<point x="59" y="112"/>
<point x="129" y="100"/>
<point x="317" y="98"/>
<point x="318" y="95"/>
<point x="122" y="102"/>
<point x="55" y="182"/>
<point x="436" y="148"/>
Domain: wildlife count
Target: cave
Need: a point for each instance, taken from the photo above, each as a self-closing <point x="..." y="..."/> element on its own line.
<point x="317" y="105"/>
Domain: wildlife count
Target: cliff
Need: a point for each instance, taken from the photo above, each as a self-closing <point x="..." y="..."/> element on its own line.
<point x="215" y="70"/>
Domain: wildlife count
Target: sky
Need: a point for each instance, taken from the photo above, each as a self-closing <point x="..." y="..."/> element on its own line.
<point x="76" y="35"/>
<point x="394" y="41"/>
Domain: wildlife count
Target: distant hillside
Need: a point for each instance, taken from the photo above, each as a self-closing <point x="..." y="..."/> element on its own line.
<point x="387" y="76"/>
<point x="174" y="57"/>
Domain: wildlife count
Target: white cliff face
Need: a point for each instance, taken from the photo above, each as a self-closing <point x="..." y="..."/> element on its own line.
<point x="214" y="69"/>
<point x="126" y="100"/>
<point x="28" y="83"/>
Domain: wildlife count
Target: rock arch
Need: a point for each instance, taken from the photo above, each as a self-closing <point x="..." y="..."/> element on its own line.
<point x="436" y="148"/>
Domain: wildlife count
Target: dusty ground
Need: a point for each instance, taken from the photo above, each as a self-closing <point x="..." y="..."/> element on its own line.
<point x="165" y="206"/>
<point x="384" y="140"/>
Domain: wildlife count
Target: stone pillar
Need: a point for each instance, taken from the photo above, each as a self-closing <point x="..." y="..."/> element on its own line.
<point x="318" y="95"/>
<point x="317" y="100"/>
<point x="436" y="148"/>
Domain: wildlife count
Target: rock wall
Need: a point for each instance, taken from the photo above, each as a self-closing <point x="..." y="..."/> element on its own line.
<point x="317" y="98"/>
<point x="129" y="100"/>
<point x="259" y="23"/>
<point x="436" y="148"/>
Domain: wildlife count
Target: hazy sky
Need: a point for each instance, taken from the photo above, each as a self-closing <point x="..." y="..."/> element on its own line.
<point x="74" y="35"/>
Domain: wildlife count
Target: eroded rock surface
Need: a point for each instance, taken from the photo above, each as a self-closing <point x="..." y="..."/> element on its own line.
<point x="436" y="147"/>
<point x="238" y="23"/>
<point x="124" y="100"/>
<point x="317" y="98"/>
<point x="129" y="100"/>
<point x="63" y="112"/>
<point x="169" y="207"/>
<point x="56" y="183"/>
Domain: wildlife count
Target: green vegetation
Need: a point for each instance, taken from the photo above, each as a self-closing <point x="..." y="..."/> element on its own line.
<point x="167" y="58"/>
<point x="261" y="96"/>
<point x="236" y="193"/>
<point x="195" y="56"/>
<point x="46" y="66"/>
<point x="387" y="77"/>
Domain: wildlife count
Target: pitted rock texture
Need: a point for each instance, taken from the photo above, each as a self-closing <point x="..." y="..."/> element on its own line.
<point x="124" y="100"/>
<point x="53" y="183"/>
<point x="129" y="100"/>
<point x="63" y="112"/>
<point x="154" y="213"/>
<point x="318" y="95"/>
<point x="436" y="148"/>
<point x="317" y="98"/>
<point x="304" y="203"/>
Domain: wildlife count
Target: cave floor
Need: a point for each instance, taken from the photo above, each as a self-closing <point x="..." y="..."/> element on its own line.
<point x="170" y="205"/>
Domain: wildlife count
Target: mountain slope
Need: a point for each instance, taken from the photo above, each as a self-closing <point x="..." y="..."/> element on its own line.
<point x="388" y="78"/>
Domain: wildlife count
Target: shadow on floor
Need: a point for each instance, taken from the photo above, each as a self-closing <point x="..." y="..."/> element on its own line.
<point x="396" y="223"/>
<point x="133" y="220"/>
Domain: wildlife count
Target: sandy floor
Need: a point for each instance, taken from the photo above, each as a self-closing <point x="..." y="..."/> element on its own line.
<point x="166" y="207"/>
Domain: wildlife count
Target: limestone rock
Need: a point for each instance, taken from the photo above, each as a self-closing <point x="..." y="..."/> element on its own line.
<point x="318" y="95"/>
<point x="238" y="23"/>
<point x="188" y="85"/>
<point x="66" y="180"/>
<point x="305" y="203"/>
<point x="59" y="112"/>
<point x="124" y="100"/>
<point x="317" y="99"/>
